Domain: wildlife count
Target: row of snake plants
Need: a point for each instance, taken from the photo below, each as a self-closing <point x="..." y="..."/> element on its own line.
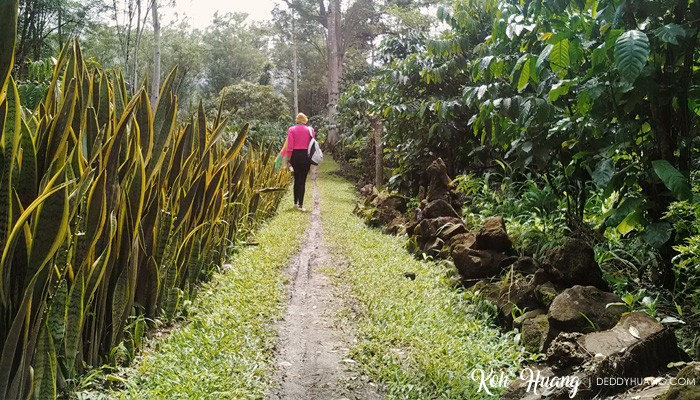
<point x="109" y="208"/>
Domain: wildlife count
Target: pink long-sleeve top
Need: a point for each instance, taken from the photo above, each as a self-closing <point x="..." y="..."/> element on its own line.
<point x="298" y="138"/>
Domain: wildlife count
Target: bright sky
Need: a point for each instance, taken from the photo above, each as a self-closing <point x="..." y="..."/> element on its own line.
<point x="200" y="12"/>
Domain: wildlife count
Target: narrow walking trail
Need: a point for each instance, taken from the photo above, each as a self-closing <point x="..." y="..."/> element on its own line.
<point x="313" y="354"/>
<point x="322" y="309"/>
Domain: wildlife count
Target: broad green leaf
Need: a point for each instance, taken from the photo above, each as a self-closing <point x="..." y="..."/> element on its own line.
<point x="630" y="223"/>
<point x="604" y="173"/>
<point x="631" y="54"/>
<point x="575" y="52"/>
<point x="676" y="182"/>
<point x="524" y="75"/>
<point x="628" y="206"/>
<point x="560" y="88"/>
<point x="559" y="56"/>
<point x="670" y="33"/>
<point x="544" y="55"/>
<point x="658" y="233"/>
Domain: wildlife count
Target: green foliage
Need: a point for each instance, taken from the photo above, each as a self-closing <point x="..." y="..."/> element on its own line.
<point x="419" y="338"/>
<point x="595" y="101"/>
<point x="36" y="87"/>
<point x="234" y="51"/>
<point x="246" y="101"/>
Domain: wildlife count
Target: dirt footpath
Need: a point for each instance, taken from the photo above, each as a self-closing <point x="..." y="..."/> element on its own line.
<point x="312" y="358"/>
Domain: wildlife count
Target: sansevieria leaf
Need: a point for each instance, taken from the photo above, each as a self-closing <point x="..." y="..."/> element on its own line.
<point x="57" y="313"/>
<point x="9" y="348"/>
<point x="8" y="10"/>
<point x="49" y="230"/>
<point x="631" y="54"/>
<point x="45" y="366"/>
<point x="19" y="227"/>
<point x="11" y="136"/>
<point x="74" y="319"/>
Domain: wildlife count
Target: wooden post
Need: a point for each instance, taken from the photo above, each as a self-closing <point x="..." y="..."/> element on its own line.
<point x="378" y="152"/>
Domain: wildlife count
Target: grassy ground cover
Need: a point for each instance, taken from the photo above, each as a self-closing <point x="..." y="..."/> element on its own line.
<point x="421" y="339"/>
<point x="225" y="351"/>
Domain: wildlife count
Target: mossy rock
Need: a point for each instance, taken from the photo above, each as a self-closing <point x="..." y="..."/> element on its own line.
<point x="546" y="293"/>
<point x="690" y="373"/>
<point x="535" y="332"/>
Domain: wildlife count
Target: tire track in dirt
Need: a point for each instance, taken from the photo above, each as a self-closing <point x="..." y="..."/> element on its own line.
<point x="312" y="358"/>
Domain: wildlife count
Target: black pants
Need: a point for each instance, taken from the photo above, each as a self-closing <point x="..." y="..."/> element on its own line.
<point x="301" y="164"/>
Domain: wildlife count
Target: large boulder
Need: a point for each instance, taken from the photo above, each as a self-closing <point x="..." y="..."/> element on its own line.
<point x="476" y="264"/>
<point x="577" y="308"/>
<point x="565" y="352"/>
<point x="526" y="265"/>
<point x="518" y="322"/>
<point x="439" y="208"/>
<point x="433" y="247"/>
<point x="466" y="239"/>
<point x="396" y="226"/>
<point x="368" y="191"/>
<point x="508" y="296"/>
<point x="429" y="228"/>
<point x="393" y="203"/>
<point x="632" y="328"/>
<point x="493" y="236"/>
<point x="452" y="231"/>
<point x="440" y="182"/>
<point x="573" y="263"/>
<point x="609" y="362"/>
<point x="648" y="356"/>
<point x="546" y="293"/>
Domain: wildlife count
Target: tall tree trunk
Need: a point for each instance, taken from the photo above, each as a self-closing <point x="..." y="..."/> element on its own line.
<point x="334" y="60"/>
<point x="294" y="67"/>
<point x="155" y="82"/>
<point x="378" y="152"/>
<point x="60" y="30"/>
<point x="135" y="81"/>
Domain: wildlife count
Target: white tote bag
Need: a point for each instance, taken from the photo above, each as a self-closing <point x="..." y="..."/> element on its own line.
<point x="314" y="151"/>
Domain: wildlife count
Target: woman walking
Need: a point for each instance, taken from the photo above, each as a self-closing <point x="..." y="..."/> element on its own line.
<point x="298" y="138"/>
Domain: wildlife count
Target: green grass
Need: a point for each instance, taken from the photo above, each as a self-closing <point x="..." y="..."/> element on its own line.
<point x="419" y="339"/>
<point x="225" y="352"/>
